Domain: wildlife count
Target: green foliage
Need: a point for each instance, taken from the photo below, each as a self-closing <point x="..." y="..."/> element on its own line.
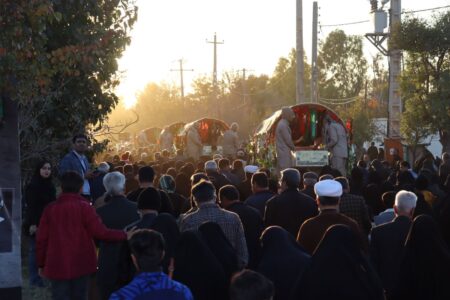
<point x="60" y="61"/>
<point x="283" y="81"/>
<point x="364" y="129"/>
<point x="342" y="66"/>
<point x="426" y="79"/>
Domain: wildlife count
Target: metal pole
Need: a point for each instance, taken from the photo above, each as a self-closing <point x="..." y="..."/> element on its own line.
<point x="314" y="74"/>
<point x="181" y="80"/>
<point x="300" y="93"/>
<point x="395" y="56"/>
<point x="215" y="96"/>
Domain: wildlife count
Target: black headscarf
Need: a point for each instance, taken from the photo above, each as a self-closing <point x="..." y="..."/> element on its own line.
<point x="40" y="192"/>
<point x="220" y="247"/>
<point x="339" y="270"/>
<point x="198" y="268"/>
<point x="282" y="260"/>
<point x="425" y="268"/>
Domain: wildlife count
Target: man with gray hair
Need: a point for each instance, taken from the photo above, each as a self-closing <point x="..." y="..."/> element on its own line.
<point x="387" y="240"/>
<point x="291" y="207"/>
<point x="117" y="213"/>
<point x="212" y="171"/>
<point x="96" y="183"/>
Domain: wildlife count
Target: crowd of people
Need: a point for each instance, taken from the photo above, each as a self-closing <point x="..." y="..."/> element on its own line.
<point x="169" y="227"/>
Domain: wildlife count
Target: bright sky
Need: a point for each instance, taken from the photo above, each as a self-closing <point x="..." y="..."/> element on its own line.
<point x="256" y="33"/>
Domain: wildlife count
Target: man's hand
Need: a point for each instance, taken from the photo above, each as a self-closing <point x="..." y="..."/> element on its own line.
<point x="131" y="232"/>
<point x="33" y="229"/>
<point x="89" y="174"/>
<point x="41" y="273"/>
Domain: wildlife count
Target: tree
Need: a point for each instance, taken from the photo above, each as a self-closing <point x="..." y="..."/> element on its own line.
<point x="342" y="66"/>
<point x="283" y="80"/>
<point x="60" y="61"/>
<point x="426" y="79"/>
<point x="413" y="128"/>
<point x="363" y="128"/>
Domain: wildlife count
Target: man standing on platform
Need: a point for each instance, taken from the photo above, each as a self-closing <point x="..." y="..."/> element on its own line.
<point x="336" y="144"/>
<point x="283" y="140"/>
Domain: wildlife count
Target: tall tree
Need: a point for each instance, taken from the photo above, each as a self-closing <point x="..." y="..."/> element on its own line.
<point x="342" y="66"/>
<point x="60" y="61"/>
<point x="283" y="80"/>
<point x="426" y="79"/>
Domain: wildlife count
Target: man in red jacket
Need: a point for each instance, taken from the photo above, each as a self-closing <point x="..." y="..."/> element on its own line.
<point x="65" y="249"/>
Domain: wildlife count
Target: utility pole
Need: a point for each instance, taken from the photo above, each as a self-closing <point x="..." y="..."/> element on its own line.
<point x="395" y="56"/>
<point x="215" y="97"/>
<point x="244" y="84"/>
<point x="300" y="93"/>
<point x="314" y="75"/>
<point x="181" y="70"/>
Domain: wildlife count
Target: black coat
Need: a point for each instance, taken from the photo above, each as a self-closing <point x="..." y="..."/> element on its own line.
<point x="38" y="194"/>
<point x="259" y="200"/>
<point x="253" y="227"/>
<point x="425" y="267"/>
<point x="289" y="210"/>
<point x="386" y="249"/>
<point x="198" y="268"/>
<point x="282" y="260"/>
<point x="116" y="214"/>
<point x="165" y="224"/>
<point x="339" y="270"/>
<point x="166" y="205"/>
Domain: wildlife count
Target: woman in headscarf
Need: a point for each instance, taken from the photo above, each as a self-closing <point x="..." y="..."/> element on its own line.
<point x="40" y="192"/>
<point x="198" y="268"/>
<point x="282" y="260"/>
<point x="219" y="245"/>
<point x="180" y="203"/>
<point x="339" y="270"/>
<point x="425" y="268"/>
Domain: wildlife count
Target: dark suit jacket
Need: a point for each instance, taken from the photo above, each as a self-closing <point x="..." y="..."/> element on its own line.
<point x="312" y="231"/>
<point x="116" y="214"/>
<point x="253" y="227"/>
<point x="289" y="210"/>
<point x="386" y="248"/>
<point x="258" y="201"/>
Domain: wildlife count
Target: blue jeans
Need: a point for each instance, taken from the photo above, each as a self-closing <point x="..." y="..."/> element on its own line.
<point x="72" y="289"/>
<point x="35" y="279"/>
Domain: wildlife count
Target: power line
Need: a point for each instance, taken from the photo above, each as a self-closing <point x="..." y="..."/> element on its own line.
<point x="403" y="12"/>
<point x="345" y="24"/>
<point x="426" y="9"/>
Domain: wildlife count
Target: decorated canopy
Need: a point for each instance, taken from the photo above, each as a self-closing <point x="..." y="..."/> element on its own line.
<point x="308" y="123"/>
<point x="149" y="136"/>
<point x="209" y="130"/>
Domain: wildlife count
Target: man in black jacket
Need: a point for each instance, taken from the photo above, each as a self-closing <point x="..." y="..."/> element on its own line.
<point x="290" y="208"/>
<point x="117" y="213"/>
<point x="250" y="218"/>
<point x="388" y="239"/>
<point x="261" y="192"/>
<point x="211" y="169"/>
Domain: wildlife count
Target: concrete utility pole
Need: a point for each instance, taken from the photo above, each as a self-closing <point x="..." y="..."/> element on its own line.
<point x="244" y="85"/>
<point x="300" y="91"/>
<point x="314" y="75"/>
<point x="181" y="70"/>
<point x="395" y="56"/>
<point x="215" y="98"/>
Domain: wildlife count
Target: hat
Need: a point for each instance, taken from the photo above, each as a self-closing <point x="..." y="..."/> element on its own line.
<point x="210" y="165"/>
<point x="251" y="169"/>
<point x="310" y="175"/>
<point x="328" y="188"/>
<point x="149" y="199"/>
